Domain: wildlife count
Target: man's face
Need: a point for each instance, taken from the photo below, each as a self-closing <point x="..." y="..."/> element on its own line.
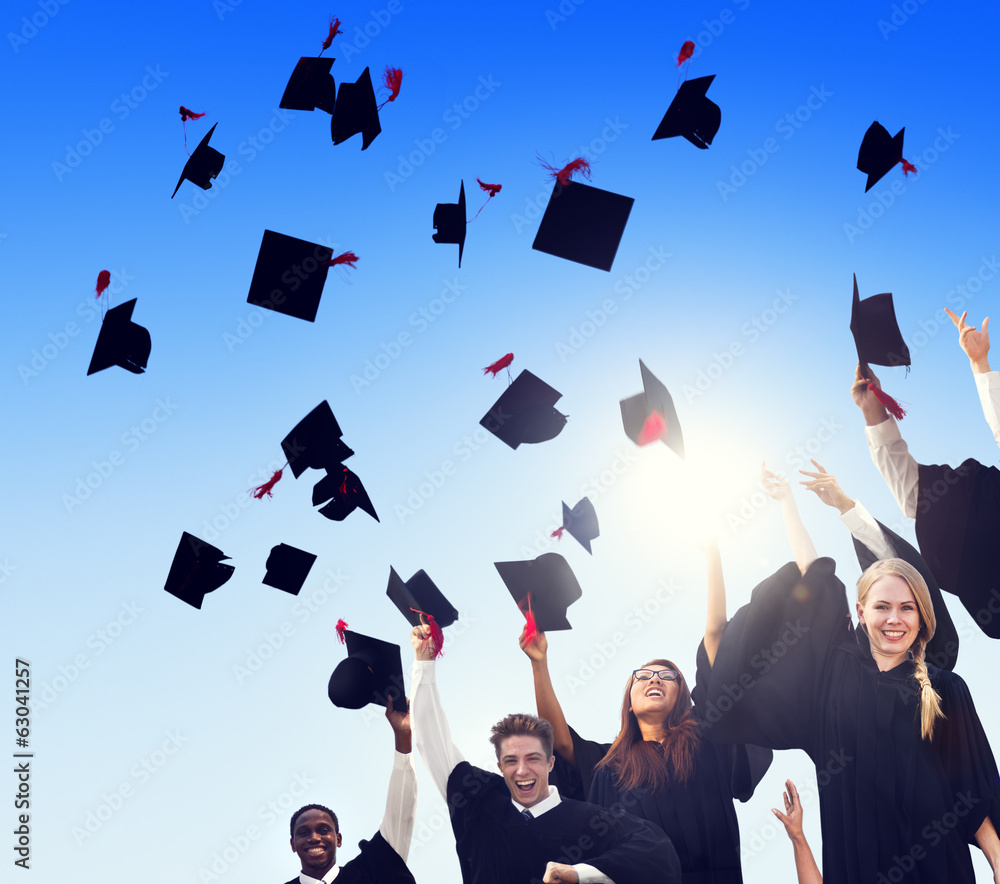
<point x="315" y="840"/>
<point x="525" y="768"/>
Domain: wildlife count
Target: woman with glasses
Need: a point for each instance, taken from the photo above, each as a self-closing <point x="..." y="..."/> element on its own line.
<point x="659" y="767"/>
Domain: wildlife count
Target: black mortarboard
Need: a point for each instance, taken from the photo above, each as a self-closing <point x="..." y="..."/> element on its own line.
<point x="551" y="584"/>
<point x="420" y="593"/>
<point x="311" y="86"/>
<point x="345" y="493"/>
<point x="583" y="224"/>
<point x="641" y="426"/>
<point x="121" y="342"/>
<point x="289" y="275"/>
<point x="691" y="114"/>
<point x="450" y="223"/>
<point x="372" y="671"/>
<point x="196" y="570"/>
<point x="581" y="522"/>
<point x="356" y="111"/>
<point x="876" y="332"/>
<point x="202" y="166"/>
<point x="525" y="412"/>
<point x="315" y="442"/>
<point x="879" y="152"/>
<point x="288" y="567"/>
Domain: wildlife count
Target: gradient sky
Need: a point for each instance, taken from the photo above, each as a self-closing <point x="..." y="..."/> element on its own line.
<point x="732" y="283"/>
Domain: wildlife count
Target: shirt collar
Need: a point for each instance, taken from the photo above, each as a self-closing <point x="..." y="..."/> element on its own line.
<point x="543" y="806"/>
<point x="328" y="878"/>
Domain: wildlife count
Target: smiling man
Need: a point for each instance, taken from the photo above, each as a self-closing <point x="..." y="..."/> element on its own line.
<point x="516" y="828"/>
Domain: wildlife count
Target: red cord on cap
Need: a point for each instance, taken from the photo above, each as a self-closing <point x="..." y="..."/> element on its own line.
<point x="530" y="627"/>
<point x="564" y="174"/>
<point x="103" y="281"/>
<point x="908" y="167"/>
<point x="655" y="427"/>
<point x="499" y="365"/>
<point x="436" y="634"/>
<point x="558" y="533"/>
<point x="334" y="30"/>
<point x="392" y="80"/>
<point x="892" y="406"/>
<point x="687" y="50"/>
<point x="261" y="490"/>
<point x="341" y="629"/>
<point x="348" y="258"/>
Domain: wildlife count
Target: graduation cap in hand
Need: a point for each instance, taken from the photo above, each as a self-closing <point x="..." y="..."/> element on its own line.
<point x="879" y="152"/>
<point x="525" y="412"/>
<point x="878" y="341"/>
<point x="691" y="114"/>
<point x="121" y="342"/>
<point x="450" y="223"/>
<point x="202" y="166"/>
<point x="287" y="568"/>
<point x="650" y="415"/>
<point x="581" y="522"/>
<point x="356" y="111"/>
<point x="546" y="585"/>
<point x="196" y="570"/>
<point x="289" y="275"/>
<point x="419" y="595"/>
<point x="311" y="86"/>
<point x="371" y="672"/>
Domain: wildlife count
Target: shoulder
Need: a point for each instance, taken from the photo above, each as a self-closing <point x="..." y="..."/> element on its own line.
<point x="468" y="783"/>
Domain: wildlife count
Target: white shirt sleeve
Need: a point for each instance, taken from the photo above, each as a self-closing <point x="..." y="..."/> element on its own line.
<point x="893" y="460"/>
<point x="988" y="386"/>
<point x="866" y="530"/>
<point x="589" y="875"/>
<point x="400" y="804"/>
<point x="431" y="734"/>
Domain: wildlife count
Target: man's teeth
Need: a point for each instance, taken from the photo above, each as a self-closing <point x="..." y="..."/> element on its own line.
<point x="525" y="784"/>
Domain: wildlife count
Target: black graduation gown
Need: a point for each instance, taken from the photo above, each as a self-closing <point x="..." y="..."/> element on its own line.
<point x="377" y="863"/>
<point x="698" y="816"/>
<point x="497" y="846"/>
<point x="791" y="673"/>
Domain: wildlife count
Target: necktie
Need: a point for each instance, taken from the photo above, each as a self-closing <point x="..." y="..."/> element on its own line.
<point x="527" y="816"/>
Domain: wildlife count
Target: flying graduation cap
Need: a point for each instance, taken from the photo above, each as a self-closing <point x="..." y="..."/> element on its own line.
<point x="287" y="568"/>
<point x="450" y="223"/>
<point x="525" y="412"/>
<point x="546" y="586"/>
<point x="121" y="342"/>
<point x="289" y="275"/>
<point x="691" y="114"/>
<point x="202" y="166"/>
<point x="356" y="111"/>
<point x="878" y="341"/>
<point x="196" y="570"/>
<point x="879" y="152"/>
<point x="581" y="522"/>
<point x="419" y="596"/>
<point x="650" y="415"/>
<point x="311" y="86"/>
<point x="371" y="672"/>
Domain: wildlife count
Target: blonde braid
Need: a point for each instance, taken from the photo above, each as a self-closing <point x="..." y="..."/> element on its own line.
<point x="930" y="700"/>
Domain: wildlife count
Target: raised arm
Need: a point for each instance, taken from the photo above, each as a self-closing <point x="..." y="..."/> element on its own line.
<point x="976" y="345"/>
<point x="805" y="864"/>
<point x="715" y="618"/>
<point x="802" y="546"/>
<point x="401" y="802"/>
<point x="989" y="843"/>
<point x="537" y="650"/>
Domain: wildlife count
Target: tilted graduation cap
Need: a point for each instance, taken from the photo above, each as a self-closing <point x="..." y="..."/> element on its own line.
<point x="878" y="340"/>
<point x="287" y="568"/>
<point x="372" y="671"/>
<point x="691" y="114"/>
<point x="450" y="223"/>
<point x="289" y="275"/>
<point x="356" y="111"/>
<point x="583" y="224"/>
<point x="196" y="570"/>
<point x="651" y="415"/>
<point x="525" y="412"/>
<point x="551" y="584"/>
<point x="202" y="166"/>
<point x="121" y="342"/>
<point x="311" y="86"/>
<point x="581" y="522"/>
<point x="879" y="152"/>
<point x="419" y="594"/>
<point x="345" y="493"/>
<point x="315" y="442"/>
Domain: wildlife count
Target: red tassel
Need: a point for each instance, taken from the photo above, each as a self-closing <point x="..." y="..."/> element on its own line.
<point x="348" y="258"/>
<point x="892" y="406"/>
<point x="530" y="627"/>
<point x="392" y="80"/>
<point x="558" y="533"/>
<point x="343" y="484"/>
<point x="261" y="490"/>
<point x="687" y="50"/>
<point x="908" y="167"/>
<point x="491" y="189"/>
<point x="436" y="634"/>
<point x="654" y="428"/>
<point x="563" y="175"/>
<point x="499" y="365"/>
<point x="341" y="629"/>
<point x="103" y="281"/>
<point x="334" y="30"/>
<point x="190" y="114"/>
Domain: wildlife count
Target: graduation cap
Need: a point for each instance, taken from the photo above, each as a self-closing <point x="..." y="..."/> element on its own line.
<point x="691" y="114"/>
<point x="450" y="223"/>
<point x="879" y="152"/>
<point x="121" y="342"/>
<point x="289" y="275"/>
<point x="287" y="568"/>
<point x="315" y="442"/>
<point x="419" y="595"/>
<point x="525" y="412"/>
<point x="550" y="584"/>
<point x="371" y="672"/>
<point x="196" y="570"/>
<point x="345" y="493"/>
<point x="356" y="111"/>
<point x="651" y="415"/>
<point x="878" y="340"/>
<point x="311" y="86"/>
<point x="581" y="522"/>
<point x="202" y="166"/>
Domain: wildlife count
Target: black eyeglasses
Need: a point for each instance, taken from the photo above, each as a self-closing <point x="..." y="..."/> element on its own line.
<point x="662" y="674"/>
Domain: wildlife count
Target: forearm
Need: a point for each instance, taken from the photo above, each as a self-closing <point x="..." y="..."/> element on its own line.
<point x="805" y="863"/>
<point x="803" y="550"/>
<point x="988" y="387"/>
<point x="866" y="530"/>
<point x="989" y="843"/>
<point x="892" y="458"/>
<point x="431" y="733"/>
<point x="548" y="708"/>
<point x="715" y="618"/>
<point x="400" y="805"/>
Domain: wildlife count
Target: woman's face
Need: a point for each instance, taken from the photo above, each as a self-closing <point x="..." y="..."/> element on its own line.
<point x="891" y="617"/>
<point x="654" y="697"/>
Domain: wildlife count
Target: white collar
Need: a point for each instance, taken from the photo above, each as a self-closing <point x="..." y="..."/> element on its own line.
<point x="543" y="806"/>
<point x="328" y="878"/>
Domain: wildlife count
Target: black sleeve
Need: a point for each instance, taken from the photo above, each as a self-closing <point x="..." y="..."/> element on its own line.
<point x="588" y="754"/>
<point x="377" y="863"/>
<point x="633" y="851"/>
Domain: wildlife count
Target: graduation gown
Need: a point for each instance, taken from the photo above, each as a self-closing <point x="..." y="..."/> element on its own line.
<point x="791" y="673"/>
<point x="377" y="863"/>
<point x="496" y="845"/>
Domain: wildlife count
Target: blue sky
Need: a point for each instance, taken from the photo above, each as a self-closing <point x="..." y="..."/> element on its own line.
<point x="732" y="283"/>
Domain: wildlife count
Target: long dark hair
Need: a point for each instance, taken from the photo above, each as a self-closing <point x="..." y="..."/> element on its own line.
<point x="636" y="762"/>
